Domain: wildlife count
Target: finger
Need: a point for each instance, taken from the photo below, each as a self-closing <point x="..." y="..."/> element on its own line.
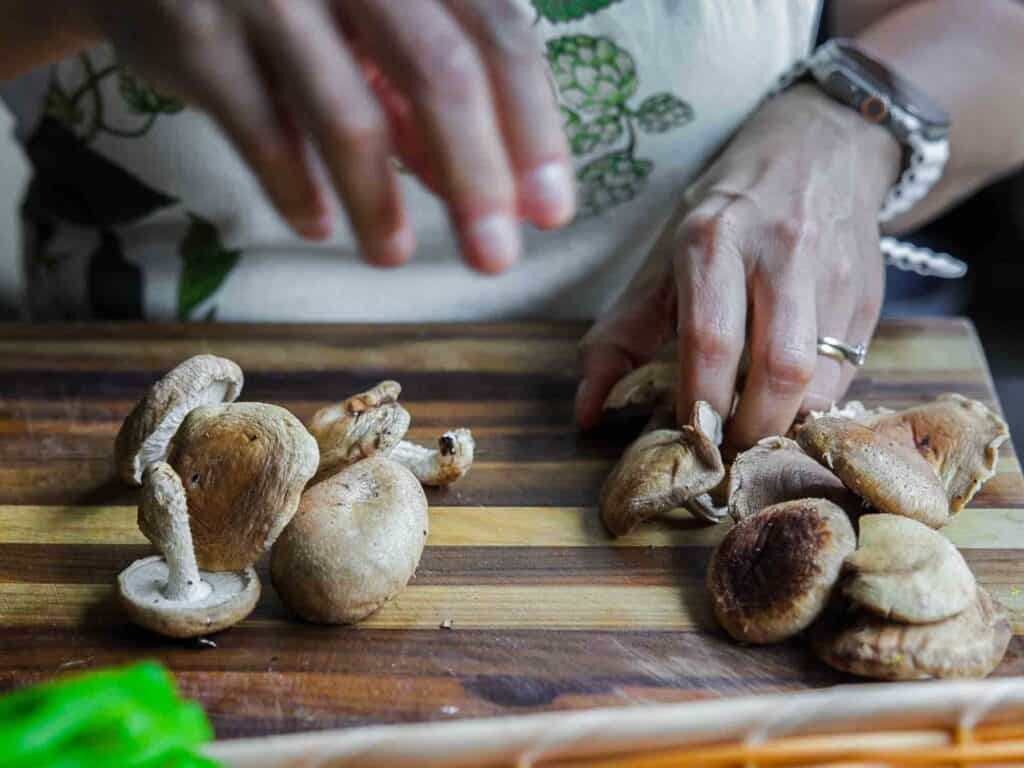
<point x="837" y="289"/>
<point x="864" y="321"/>
<point x="231" y="87"/>
<point x="424" y="52"/>
<point x="347" y="124"/>
<point x="783" y="351"/>
<point x="529" y="115"/>
<point x="601" y="366"/>
<point x="711" y="314"/>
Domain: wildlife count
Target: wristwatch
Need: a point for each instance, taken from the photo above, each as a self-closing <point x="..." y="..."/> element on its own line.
<point x="843" y="71"/>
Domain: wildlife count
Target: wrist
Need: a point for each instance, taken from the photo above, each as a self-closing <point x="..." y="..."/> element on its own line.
<point x="879" y="155"/>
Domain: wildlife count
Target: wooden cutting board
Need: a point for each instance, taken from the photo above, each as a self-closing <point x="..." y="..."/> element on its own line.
<point x="546" y="611"/>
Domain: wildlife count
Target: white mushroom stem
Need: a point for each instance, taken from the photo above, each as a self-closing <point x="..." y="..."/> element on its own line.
<point x="437" y="466"/>
<point x="163" y="518"/>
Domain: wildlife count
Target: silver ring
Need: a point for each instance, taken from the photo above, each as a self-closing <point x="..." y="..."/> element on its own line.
<point x="854" y="354"/>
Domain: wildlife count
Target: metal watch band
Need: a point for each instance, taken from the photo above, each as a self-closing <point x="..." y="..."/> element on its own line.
<point x="927" y="160"/>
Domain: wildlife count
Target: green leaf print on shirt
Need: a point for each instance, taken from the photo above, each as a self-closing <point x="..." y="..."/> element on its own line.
<point x="569" y="10"/>
<point x="142" y="98"/>
<point x="596" y="79"/>
<point x="206" y="265"/>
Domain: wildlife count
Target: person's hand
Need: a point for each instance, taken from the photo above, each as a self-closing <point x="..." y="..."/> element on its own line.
<point x="456" y="88"/>
<point x="775" y="245"/>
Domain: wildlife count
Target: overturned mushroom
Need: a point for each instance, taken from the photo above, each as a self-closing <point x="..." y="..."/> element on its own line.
<point x="957" y="436"/>
<point x="777" y="470"/>
<point x="244" y="466"/>
<point x="354" y="544"/>
<point x="890" y="476"/>
<point x="662" y="470"/>
<point x="443" y="465"/>
<point x="649" y="386"/>
<point x="903" y="570"/>
<point x="146" y="433"/>
<point x="773" y="573"/>
<point x="970" y="644"/>
<point x="373" y="423"/>
<point x="169" y="594"/>
<point x="363" y="425"/>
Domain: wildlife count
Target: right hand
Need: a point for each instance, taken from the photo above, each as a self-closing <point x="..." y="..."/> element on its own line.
<point x="457" y="89"/>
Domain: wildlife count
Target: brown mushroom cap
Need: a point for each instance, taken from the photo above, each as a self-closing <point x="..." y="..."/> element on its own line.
<point x="145" y="435"/>
<point x="659" y="471"/>
<point x="773" y="573"/>
<point x="887" y="474"/>
<point x="958" y="437"/>
<point x="232" y="597"/>
<point x="366" y="424"/>
<point x="971" y="644"/>
<point x="354" y="544"/>
<point x="244" y="466"/>
<point x="905" y="571"/>
<point x="777" y="470"/>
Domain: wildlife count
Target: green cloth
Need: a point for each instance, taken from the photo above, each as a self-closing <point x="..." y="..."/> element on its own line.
<point x="129" y="717"/>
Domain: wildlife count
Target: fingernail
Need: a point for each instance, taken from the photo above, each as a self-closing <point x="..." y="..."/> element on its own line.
<point x="814" y="402"/>
<point x="496" y="240"/>
<point x="550" y="192"/>
<point x="316" y="227"/>
<point x="397" y="248"/>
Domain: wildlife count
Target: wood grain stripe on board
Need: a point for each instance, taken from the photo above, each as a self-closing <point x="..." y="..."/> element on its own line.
<point x="462" y="566"/>
<point x="469" y="526"/>
<point x="570" y="607"/>
<point x="426" y="349"/>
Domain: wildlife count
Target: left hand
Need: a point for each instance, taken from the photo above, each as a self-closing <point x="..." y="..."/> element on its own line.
<point x="776" y="244"/>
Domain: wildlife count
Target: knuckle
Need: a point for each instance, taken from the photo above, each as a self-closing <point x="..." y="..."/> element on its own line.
<point x="789" y="369"/>
<point x="710" y="343"/>
<point x="505" y="33"/>
<point x="450" y="70"/>
<point x="200" y="22"/>
<point x="842" y="270"/>
<point x="349" y="134"/>
<point x="791" y="234"/>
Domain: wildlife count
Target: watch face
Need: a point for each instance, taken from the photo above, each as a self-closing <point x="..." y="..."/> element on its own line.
<point x="898" y="89"/>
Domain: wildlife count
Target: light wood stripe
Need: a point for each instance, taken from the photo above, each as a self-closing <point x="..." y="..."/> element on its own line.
<point x="1000" y="528"/>
<point x="568" y="607"/>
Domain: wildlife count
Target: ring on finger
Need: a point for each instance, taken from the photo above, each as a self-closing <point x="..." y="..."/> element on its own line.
<point x="837" y="349"/>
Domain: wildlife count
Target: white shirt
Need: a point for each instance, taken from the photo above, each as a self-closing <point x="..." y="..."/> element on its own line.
<point x="164" y="220"/>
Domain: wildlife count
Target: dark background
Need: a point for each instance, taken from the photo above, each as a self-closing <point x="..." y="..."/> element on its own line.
<point x="986" y="231"/>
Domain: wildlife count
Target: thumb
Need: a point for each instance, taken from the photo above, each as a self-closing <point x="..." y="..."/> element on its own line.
<point x="601" y="366"/>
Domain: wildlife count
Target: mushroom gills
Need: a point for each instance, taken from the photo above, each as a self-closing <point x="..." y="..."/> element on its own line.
<point x="145" y="435"/>
<point x="777" y="470"/>
<point x="662" y="470"/>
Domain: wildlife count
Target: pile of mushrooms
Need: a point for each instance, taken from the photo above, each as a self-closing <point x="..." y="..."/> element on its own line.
<point x="361" y="527"/>
<point x="835" y="528"/>
<point x="222" y="481"/>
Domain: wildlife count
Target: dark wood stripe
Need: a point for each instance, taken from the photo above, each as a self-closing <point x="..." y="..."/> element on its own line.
<point x="258" y="681"/>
